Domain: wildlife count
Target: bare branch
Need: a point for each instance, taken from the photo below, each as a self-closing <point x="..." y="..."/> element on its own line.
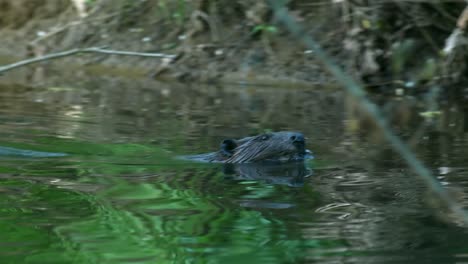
<point x="356" y="90"/>
<point x="463" y="19"/>
<point x="57" y="55"/>
<point x="457" y="38"/>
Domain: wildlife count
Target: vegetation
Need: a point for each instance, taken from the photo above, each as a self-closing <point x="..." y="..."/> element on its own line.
<point x="393" y="47"/>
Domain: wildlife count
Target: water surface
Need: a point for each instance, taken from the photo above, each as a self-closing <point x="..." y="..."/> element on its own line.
<point x="120" y="196"/>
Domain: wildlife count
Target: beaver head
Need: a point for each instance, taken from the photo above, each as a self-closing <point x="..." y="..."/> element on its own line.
<point x="275" y="146"/>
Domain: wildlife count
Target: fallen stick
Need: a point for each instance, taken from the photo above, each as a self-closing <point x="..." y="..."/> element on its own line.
<point x="57" y="55"/>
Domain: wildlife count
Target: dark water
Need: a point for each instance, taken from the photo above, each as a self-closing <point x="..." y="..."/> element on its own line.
<point x="119" y="196"/>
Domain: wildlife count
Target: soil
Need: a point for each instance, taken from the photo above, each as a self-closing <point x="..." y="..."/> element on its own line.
<point x="238" y="43"/>
<point x="241" y="41"/>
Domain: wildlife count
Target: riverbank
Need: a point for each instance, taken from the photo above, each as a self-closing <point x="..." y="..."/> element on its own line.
<point x="242" y="41"/>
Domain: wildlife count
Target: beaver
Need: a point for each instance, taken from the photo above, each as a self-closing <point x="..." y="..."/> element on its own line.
<point x="275" y="146"/>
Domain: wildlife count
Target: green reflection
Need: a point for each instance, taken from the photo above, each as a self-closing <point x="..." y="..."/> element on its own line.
<point x="135" y="203"/>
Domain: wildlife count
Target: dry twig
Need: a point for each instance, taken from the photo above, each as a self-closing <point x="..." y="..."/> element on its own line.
<point x="356" y="90"/>
<point x="101" y="50"/>
<point x="457" y="38"/>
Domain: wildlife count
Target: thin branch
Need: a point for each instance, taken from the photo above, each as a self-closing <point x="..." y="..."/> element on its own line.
<point x="463" y="19"/>
<point x="57" y="55"/>
<point x="355" y="89"/>
<point x="457" y="38"/>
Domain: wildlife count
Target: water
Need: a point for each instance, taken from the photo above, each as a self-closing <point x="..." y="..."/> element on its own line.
<point x="120" y="196"/>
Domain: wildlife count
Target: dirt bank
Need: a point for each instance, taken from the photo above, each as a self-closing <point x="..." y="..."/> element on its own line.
<point x="235" y="40"/>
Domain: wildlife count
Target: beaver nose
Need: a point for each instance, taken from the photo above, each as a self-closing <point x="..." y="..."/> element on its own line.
<point x="297" y="137"/>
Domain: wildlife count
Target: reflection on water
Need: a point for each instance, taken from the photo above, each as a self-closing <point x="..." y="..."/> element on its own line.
<point x="119" y="195"/>
<point x="290" y="173"/>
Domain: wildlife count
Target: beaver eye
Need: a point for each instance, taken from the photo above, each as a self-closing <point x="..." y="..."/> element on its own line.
<point x="264" y="137"/>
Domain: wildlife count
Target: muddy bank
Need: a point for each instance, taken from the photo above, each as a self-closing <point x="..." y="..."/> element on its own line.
<point x="242" y="40"/>
<point x="223" y="46"/>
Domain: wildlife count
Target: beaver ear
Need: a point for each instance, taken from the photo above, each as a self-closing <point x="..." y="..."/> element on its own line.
<point x="228" y="146"/>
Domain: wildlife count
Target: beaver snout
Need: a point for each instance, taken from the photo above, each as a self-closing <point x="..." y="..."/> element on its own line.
<point x="297" y="138"/>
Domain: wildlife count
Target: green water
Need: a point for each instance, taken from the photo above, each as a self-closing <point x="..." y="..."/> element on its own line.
<point x="119" y="195"/>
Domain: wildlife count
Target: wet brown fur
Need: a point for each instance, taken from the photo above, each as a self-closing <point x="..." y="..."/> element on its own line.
<point x="275" y="146"/>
